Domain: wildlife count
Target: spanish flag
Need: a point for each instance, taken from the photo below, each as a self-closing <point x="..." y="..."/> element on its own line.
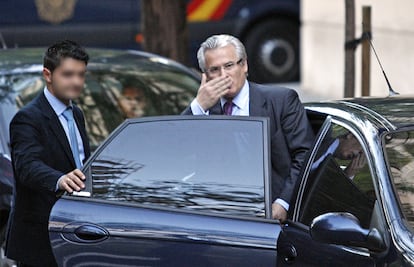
<point x="205" y="10"/>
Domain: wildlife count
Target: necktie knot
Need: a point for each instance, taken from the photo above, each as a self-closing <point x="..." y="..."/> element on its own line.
<point x="228" y="107"/>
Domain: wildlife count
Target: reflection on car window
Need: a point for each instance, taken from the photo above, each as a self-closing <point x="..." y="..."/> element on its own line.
<point x="205" y="165"/>
<point x="339" y="179"/>
<point x="111" y="96"/>
<point x="28" y="87"/>
<point x="399" y="149"/>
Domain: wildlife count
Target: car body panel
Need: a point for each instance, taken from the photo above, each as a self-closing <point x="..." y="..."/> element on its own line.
<point x="156" y="237"/>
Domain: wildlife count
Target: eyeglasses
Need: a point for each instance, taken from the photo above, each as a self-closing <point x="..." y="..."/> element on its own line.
<point x="215" y="71"/>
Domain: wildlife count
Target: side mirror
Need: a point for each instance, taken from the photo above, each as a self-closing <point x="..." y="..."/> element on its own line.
<point x="344" y="229"/>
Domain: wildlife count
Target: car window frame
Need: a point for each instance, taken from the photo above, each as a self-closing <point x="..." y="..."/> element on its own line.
<point x="307" y="167"/>
<point x="87" y="192"/>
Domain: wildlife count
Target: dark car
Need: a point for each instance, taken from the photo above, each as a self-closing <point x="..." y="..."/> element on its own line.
<point x="268" y="28"/>
<point x="119" y="85"/>
<point x="174" y="191"/>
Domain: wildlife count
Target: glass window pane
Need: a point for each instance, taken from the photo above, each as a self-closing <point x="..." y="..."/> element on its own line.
<point x="110" y="95"/>
<point x="399" y="149"/>
<point x="214" y="165"/>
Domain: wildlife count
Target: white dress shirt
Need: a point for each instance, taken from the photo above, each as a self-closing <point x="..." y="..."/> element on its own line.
<point x="59" y="108"/>
<point x="240" y="108"/>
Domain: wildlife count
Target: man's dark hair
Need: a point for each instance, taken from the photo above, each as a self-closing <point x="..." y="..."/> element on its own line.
<point x="61" y="50"/>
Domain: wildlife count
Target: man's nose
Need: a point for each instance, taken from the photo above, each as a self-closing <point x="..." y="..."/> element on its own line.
<point x="221" y="70"/>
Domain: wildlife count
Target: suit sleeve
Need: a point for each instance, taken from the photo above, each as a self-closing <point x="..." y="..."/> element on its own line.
<point x="28" y="154"/>
<point x="187" y="111"/>
<point x="299" y="137"/>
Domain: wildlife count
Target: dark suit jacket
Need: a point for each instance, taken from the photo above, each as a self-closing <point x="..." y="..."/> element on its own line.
<point x="41" y="154"/>
<point x="290" y="132"/>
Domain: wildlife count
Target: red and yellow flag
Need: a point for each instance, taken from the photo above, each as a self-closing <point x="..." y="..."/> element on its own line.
<point x="204" y="10"/>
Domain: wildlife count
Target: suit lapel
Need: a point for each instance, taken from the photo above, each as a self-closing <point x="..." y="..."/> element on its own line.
<point x="257" y="102"/>
<point x="56" y="127"/>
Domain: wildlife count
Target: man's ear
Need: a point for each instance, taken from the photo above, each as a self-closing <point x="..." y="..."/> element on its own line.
<point x="47" y="74"/>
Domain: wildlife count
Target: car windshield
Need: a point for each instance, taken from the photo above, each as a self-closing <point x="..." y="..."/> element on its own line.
<point x="399" y="149"/>
<point x="112" y="93"/>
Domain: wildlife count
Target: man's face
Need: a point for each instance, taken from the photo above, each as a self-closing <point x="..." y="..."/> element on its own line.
<point x="348" y="148"/>
<point x="224" y="56"/>
<point x="67" y="80"/>
<point x="133" y="102"/>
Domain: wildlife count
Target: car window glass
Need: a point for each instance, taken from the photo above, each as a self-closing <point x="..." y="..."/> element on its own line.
<point x="399" y="150"/>
<point x="27" y="87"/>
<point x="205" y="165"/>
<point x="339" y="179"/>
<point x="110" y="97"/>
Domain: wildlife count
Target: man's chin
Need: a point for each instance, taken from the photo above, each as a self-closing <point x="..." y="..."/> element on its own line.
<point x="72" y="96"/>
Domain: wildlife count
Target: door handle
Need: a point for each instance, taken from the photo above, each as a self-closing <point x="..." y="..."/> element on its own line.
<point x="91" y="233"/>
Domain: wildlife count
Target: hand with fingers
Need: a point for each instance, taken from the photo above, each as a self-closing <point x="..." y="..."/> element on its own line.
<point x="72" y="181"/>
<point x="278" y="212"/>
<point x="210" y="91"/>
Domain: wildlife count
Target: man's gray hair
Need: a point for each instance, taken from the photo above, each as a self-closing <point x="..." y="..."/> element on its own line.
<point x="217" y="41"/>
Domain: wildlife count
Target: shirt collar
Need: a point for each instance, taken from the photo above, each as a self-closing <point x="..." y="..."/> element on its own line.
<point x="57" y="105"/>
<point x="241" y="99"/>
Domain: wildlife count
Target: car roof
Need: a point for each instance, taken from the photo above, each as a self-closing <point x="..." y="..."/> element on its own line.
<point x="17" y="60"/>
<point x="388" y="113"/>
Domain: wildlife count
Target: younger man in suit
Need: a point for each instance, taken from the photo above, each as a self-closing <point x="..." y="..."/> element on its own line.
<point x="48" y="147"/>
<point x="225" y="90"/>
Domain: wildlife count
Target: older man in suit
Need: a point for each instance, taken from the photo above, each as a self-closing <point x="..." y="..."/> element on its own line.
<point x="48" y="147"/>
<point x="225" y="90"/>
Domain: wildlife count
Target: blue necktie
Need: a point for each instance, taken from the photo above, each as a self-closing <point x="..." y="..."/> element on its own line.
<point x="68" y="114"/>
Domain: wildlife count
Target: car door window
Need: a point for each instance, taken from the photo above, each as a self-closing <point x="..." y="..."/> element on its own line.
<point x="201" y="164"/>
<point x="399" y="151"/>
<point x="339" y="179"/>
